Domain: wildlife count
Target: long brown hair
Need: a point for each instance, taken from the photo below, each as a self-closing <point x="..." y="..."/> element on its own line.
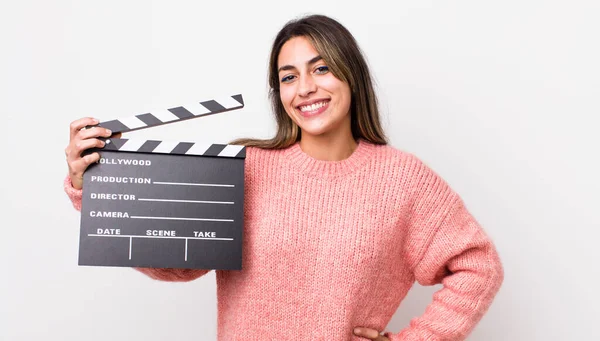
<point x="341" y="53"/>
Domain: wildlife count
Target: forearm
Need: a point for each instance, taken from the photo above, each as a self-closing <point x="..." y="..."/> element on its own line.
<point x="473" y="279"/>
<point x="173" y="275"/>
<point x="73" y="194"/>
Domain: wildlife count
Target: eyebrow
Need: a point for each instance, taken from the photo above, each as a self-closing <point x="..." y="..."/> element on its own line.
<point x="291" y="67"/>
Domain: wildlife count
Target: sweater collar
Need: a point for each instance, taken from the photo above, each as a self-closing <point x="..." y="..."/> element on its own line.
<point x="302" y="163"/>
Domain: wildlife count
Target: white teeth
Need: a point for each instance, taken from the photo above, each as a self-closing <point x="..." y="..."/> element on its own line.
<point x="312" y="107"/>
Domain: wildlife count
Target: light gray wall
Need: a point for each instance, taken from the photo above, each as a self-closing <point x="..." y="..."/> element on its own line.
<point x="500" y="98"/>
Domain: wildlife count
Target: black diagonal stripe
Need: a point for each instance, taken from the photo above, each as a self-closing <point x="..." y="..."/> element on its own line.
<point x="149" y="119"/>
<point x="214" y="149"/>
<point x="239" y="99"/>
<point x="181" y="112"/>
<point x="242" y="153"/>
<point x="149" y="146"/>
<point x="182" y="147"/>
<point x="213" y="106"/>
<point x="115" y="126"/>
<point x="115" y="144"/>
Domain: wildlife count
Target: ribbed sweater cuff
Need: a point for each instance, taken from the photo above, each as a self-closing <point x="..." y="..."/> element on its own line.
<point x="407" y="334"/>
<point x="74" y="194"/>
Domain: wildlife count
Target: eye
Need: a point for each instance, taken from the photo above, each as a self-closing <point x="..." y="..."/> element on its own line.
<point x="287" y="79"/>
<point x="322" y="69"/>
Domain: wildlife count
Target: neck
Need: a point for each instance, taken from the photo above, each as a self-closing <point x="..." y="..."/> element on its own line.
<point x="328" y="147"/>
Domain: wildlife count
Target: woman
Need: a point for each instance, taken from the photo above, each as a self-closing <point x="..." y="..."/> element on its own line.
<point x="338" y="225"/>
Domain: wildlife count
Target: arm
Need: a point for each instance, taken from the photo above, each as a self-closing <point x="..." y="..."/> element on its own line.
<point x="170" y="275"/>
<point x="459" y="255"/>
<point x="173" y="275"/>
<point x="73" y="193"/>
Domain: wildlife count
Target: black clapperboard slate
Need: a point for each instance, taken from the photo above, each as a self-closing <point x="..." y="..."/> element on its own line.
<point x="163" y="204"/>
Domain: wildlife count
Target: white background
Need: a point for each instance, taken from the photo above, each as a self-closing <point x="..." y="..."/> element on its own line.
<point x="500" y="97"/>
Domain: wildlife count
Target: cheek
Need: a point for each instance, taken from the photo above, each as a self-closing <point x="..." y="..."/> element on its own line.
<point x="342" y="90"/>
<point x="286" y="95"/>
<point x="347" y="97"/>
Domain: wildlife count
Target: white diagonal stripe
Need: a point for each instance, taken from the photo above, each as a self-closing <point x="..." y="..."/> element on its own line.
<point x="231" y="150"/>
<point x="165" y="147"/>
<point x="132" y="122"/>
<point x="132" y="145"/>
<point x="197" y="109"/>
<point x="198" y="149"/>
<point x="228" y="102"/>
<point x="165" y="115"/>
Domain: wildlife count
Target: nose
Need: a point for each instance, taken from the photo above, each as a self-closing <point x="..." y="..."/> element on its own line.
<point x="306" y="86"/>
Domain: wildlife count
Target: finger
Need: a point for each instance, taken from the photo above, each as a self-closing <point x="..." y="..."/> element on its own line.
<point x="77" y="168"/>
<point x="117" y="136"/>
<point x="366" y="332"/>
<point x="77" y="125"/>
<point x="75" y="150"/>
<point x="93" y="132"/>
<point x="90" y="158"/>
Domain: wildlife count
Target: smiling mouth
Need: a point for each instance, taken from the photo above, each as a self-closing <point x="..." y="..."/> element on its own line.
<point x="313" y="107"/>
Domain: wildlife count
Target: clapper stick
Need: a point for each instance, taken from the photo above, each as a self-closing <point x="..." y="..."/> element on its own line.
<point x="176" y="114"/>
<point x="164" y="204"/>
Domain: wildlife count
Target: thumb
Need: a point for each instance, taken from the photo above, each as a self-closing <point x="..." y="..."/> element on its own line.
<point x="366" y="333"/>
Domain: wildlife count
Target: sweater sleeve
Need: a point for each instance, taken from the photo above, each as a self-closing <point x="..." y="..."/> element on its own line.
<point x="459" y="255"/>
<point x="170" y="275"/>
<point x="73" y="194"/>
<point x="173" y="275"/>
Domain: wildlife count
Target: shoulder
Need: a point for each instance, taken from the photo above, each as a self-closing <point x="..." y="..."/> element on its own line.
<point x="262" y="155"/>
<point x="398" y="160"/>
<point x="261" y="160"/>
<point x="411" y="174"/>
<point x="257" y="152"/>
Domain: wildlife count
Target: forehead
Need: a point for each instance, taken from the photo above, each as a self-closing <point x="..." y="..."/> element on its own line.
<point x="296" y="51"/>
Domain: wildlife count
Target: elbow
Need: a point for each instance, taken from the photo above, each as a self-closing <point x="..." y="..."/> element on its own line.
<point x="495" y="273"/>
<point x="498" y="273"/>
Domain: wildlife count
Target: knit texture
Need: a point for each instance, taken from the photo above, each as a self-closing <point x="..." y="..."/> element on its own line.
<point x="332" y="245"/>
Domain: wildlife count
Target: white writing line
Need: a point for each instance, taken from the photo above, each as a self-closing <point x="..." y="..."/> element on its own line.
<point x="134" y="236"/>
<point x="178" y="218"/>
<point x="130" y="239"/>
<point x="186" y="249"/>
<point x="191" y="201"/>
<point x="190" y="184"/>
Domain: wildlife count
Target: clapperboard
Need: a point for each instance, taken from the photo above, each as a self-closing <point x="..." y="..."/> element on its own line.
<point x="164" y="204"/>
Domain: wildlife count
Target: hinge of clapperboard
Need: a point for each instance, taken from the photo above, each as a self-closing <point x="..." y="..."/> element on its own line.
<point x="172" y="115"/>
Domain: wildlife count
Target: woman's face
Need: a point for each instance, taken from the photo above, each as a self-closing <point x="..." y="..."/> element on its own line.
<point x="317" y="101"/>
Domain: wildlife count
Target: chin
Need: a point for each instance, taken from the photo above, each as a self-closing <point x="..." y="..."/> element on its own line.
<point x="311" y="130"/>
<point x="308" y="132"/>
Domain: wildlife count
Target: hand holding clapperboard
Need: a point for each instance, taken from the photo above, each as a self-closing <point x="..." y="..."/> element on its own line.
<point x="161" y="204"/>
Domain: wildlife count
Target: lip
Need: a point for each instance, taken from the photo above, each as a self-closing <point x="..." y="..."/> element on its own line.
<point x="313" y="101"/>
<point x="316" y="112"/>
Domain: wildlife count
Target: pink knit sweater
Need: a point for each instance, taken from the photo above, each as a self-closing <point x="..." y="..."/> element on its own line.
<point x="331" y="245"/>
